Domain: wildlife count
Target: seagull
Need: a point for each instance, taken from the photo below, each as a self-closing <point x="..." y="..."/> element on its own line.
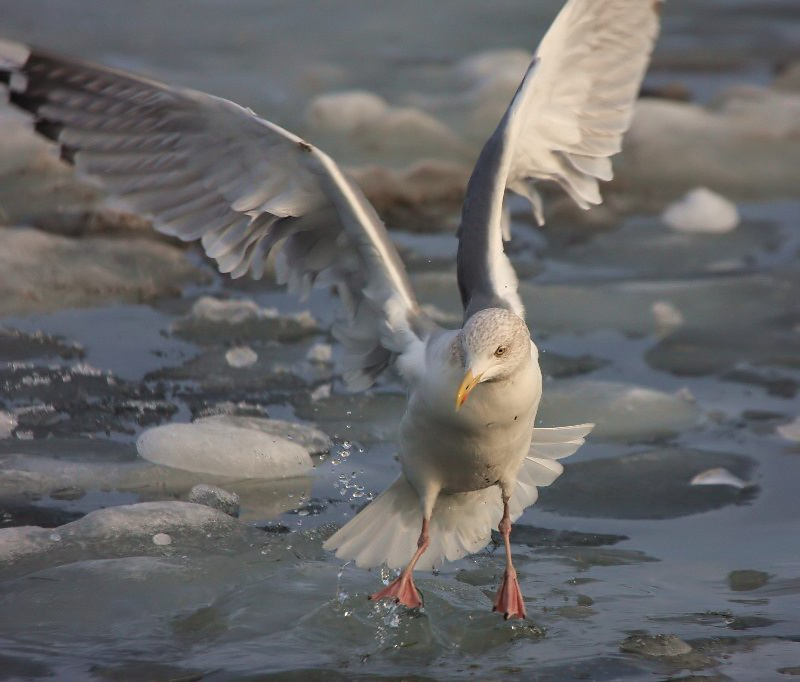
<point x="204" y="168"/>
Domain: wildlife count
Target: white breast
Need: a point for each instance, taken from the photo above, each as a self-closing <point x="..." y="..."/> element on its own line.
<point x="476" y="446"/>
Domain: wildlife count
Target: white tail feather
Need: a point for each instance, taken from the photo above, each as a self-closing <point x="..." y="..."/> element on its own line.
<point x="386" y="531"/>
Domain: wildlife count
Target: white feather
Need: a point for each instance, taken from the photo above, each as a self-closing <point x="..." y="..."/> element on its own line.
<point x="387" y="529"/>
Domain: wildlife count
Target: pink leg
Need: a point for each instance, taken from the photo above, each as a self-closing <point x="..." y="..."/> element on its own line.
<point x="509" y="597"/>
<point x="403" y="590"/>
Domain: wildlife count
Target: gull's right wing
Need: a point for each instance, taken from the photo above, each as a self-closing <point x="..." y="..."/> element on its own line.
<point x="565" y="121"/>
<point x="205" y="168"/>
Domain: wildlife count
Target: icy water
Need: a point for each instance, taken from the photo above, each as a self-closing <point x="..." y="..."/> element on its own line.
<point x="683" y="347"/>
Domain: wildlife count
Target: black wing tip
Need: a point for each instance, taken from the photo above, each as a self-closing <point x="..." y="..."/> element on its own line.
<point x="23" y="100"/>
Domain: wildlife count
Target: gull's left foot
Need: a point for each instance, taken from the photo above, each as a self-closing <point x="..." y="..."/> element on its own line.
<point x="509" y="597"/>
<point x="401" y="591"/>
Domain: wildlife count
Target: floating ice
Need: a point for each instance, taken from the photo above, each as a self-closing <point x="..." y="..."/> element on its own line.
<point x="233" y="311"/>
<point x="321" y="392"/>
<point x="241" y="356"/>
<point x="622" y="412"/>
<point x="674" y="146"/>
<point x="128" y="530"/>
<point x="8" y="422"/>
<point x="43" y="272"/>
<point x="747" y="579"/>
<point x="702" y="211"/>
<point x="422" y="197"/>
<point x="216" y="498"/>
<point x="719" y="476"/>
<point x="316" y="442"/>
<point x="33" y="182"/>
<point x="214" y="447"/>
<point x="320" y="352"/>
<point x="213" y="320"/>
<point x="790" y="431"/>
<point x="667" y="316"/>
<point x="655" y="646"/>
<point x="360" y="126"/>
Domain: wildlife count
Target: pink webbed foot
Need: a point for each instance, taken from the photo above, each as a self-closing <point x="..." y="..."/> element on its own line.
<point x="509" y="597"/>
<point x="402" y="591"/>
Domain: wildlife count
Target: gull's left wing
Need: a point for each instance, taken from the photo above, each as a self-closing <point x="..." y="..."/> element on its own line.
<point x="565" y="121"/>
<point x="205" y="168"/>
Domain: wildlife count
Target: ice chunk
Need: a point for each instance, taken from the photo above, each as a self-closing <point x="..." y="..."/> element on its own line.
<point x="127" y="530"/>
<point x="241" y="356"/>
<point x="621" y="412"/>
<point x="320" y="352"/>
<point x="214" y="447"/>
<point x="33" y="182"/>
<point x="321" y="392"/>
<point x="673" y="147"/>
<point x="360" y="126"/>
<point x="422" y="197"/>
<point x="316" y="442"/>
<point x="42" y="272"/>
<point x="702" y="210"/>
<point x="213" y="320"/>
<point x="719" y="476"/>
<point x="655" y="646"/>
<point x="790" y="431"/>
<point x="8" y="422"/>
<point x="667" y="316"/>
<point x="216" y="498"/>
<point x="233" y="311"/>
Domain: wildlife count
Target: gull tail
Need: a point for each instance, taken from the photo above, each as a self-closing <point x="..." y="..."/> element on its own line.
<point x="386" y="530"/>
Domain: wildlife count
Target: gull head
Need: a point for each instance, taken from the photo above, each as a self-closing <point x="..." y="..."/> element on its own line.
<point x="495" y="344"/>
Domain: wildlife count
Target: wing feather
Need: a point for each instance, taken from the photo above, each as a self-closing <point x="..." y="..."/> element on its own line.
<point x="567" y="117"/>
<point x="205" y="168"/>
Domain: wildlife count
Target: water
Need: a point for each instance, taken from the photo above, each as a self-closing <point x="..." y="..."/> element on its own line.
<point x="684" y="347"/>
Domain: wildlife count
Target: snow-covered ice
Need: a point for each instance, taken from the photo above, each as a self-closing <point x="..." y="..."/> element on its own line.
<point x="702" y="211"/>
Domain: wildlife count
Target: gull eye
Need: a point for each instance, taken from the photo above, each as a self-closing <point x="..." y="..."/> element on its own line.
<point x="501" y="350"/>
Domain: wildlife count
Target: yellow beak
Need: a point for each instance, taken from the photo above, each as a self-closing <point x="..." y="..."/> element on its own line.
<point x="470" y="382"/>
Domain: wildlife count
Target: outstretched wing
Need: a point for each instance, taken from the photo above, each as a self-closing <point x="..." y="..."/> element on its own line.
<point x="205" y="168"/>
<point x="565" y="121"/>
